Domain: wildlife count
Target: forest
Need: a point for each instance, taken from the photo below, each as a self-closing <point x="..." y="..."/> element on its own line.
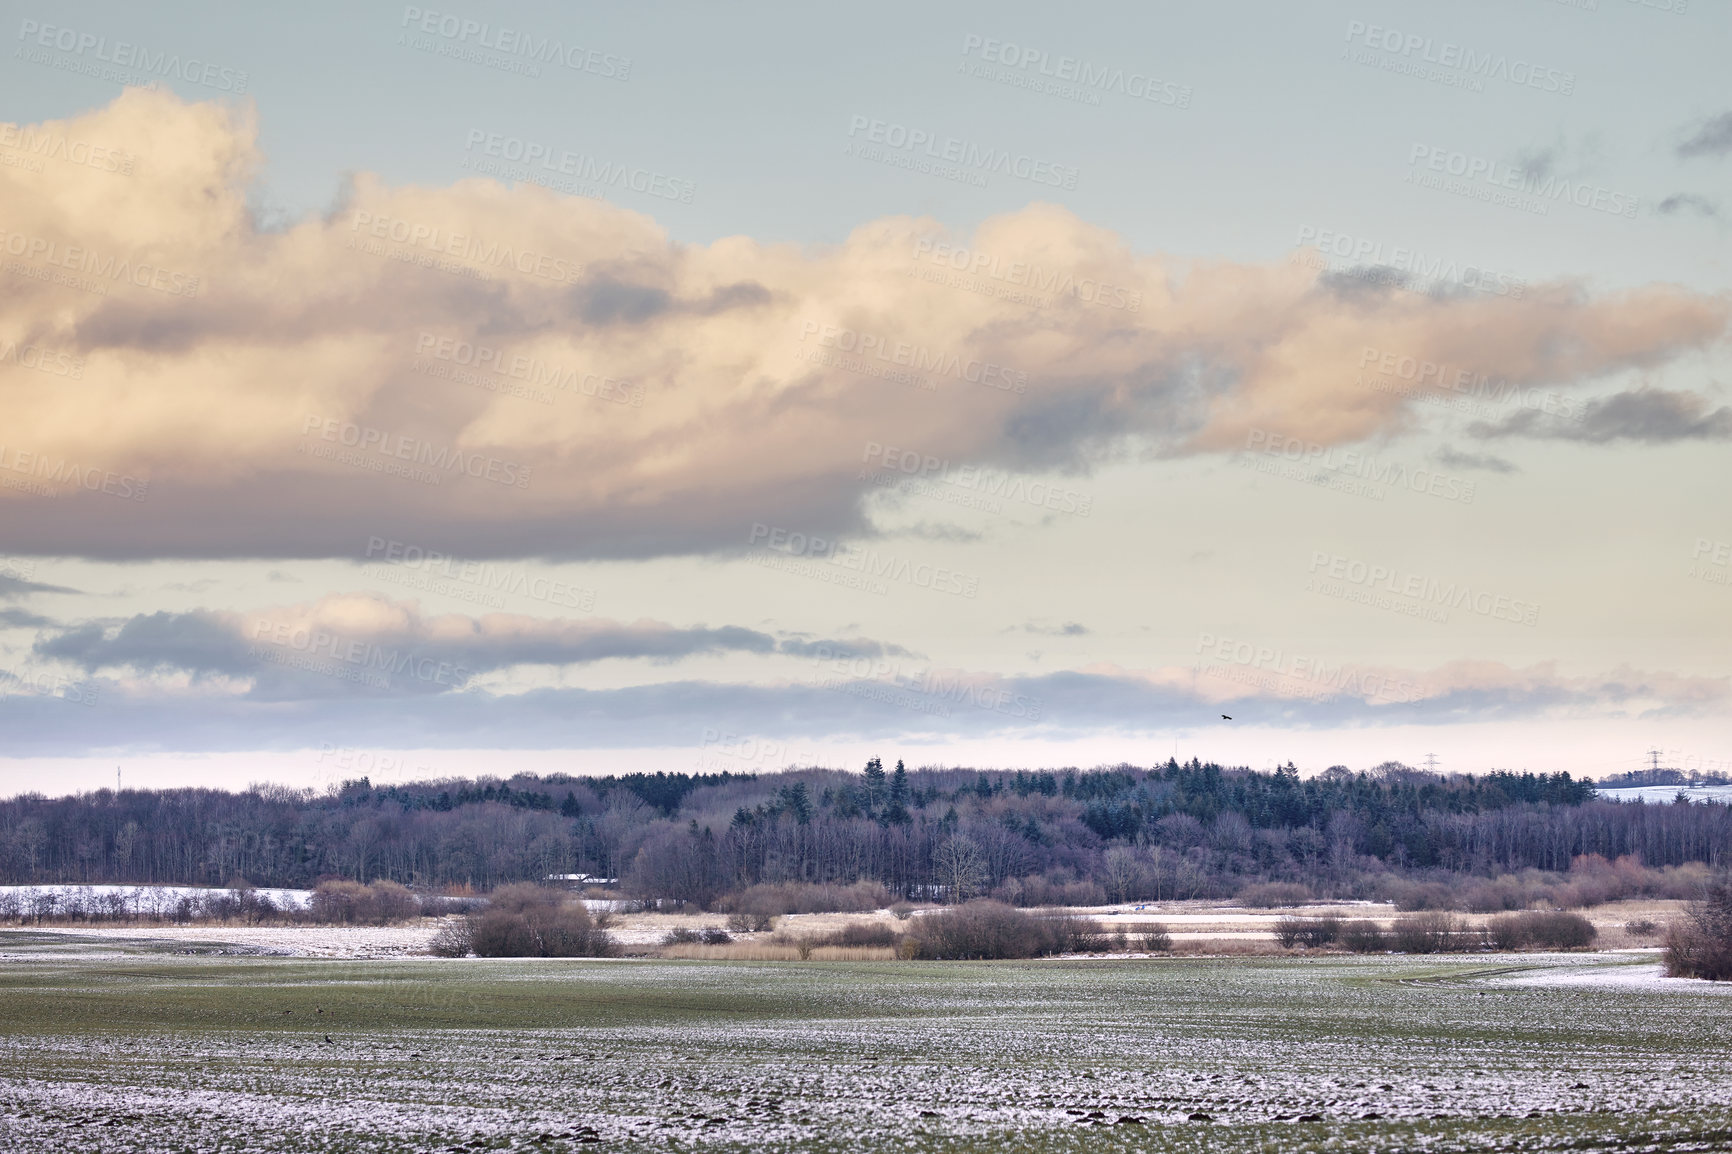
<point x="1066" y="835"/>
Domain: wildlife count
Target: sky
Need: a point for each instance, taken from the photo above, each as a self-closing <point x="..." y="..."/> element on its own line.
<point x="411" y="392"/>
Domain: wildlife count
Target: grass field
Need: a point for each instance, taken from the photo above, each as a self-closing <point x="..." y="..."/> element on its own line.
<point x="148" y="1051"/>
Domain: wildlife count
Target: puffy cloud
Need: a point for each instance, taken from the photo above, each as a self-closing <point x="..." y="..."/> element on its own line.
<point x="500" y="371"/>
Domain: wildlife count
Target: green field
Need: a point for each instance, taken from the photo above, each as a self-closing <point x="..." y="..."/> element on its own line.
<point x="149" y="1051"/>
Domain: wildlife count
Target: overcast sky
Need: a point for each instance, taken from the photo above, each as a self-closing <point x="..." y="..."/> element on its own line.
<point x="413" y="391"/>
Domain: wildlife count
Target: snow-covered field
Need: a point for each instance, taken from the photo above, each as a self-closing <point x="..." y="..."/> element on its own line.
<point x="1658" y="794"/>
<point x="152" y="900"/>
<point x="172" y="1054"/>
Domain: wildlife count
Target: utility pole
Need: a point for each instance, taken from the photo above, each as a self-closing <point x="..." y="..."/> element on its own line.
<point x="117" y="780"/>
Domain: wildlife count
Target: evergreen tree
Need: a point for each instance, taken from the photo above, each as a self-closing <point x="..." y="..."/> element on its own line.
<point x="874" y="783"/>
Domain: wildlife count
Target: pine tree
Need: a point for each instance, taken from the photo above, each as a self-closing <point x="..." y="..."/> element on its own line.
<point x="874" y="783"/>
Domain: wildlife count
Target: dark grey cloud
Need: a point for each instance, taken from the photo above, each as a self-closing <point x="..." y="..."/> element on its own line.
<point x="23" y="619"/>
<point x="196" y="642"/>
<point x="1688" y="202"/>
<point x="1486" y="461"/>
<point x="1068" y="629"/>
<point x="1712" y="138"/>
<point x="1647" y="415"/>
<point x="12" y="587"/>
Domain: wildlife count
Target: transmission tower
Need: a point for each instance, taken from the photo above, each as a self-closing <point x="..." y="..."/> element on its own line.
<point x="1431" y="763"/>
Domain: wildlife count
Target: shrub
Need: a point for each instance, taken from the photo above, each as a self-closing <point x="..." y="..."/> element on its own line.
<point x="682" y="935"/>
<point x="903" y="911"/>
<point x="1700" y="946"/>
<point x="989" y="929"/>
<point x="528" y="921"/>
<point x="860" y="934"/>
<point x="1307" y="932"/>
<point x="1156" y="939"/>
<point x="742" y="922"/>
<point x="1269" y="895"/>
<point x="773" y="900"/>
<point x="351" y="903"/>
<point x="1426" y="933"/>
<point x="1541" y="929"/>
<point x="454" y="939"/>
<point x="1363" y="937"/>
<point x="1641" y="928"/>
<point x="715" y="936"/>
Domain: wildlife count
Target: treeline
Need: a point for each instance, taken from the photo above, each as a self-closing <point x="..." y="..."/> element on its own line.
<point x="1171" y="831"/>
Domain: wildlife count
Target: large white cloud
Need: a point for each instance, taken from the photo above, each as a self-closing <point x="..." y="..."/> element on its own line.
<point x="293" y="392"/>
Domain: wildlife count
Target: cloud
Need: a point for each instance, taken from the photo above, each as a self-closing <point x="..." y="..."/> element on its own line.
<point x="1459" y="460"/>
<point x="12" y="588"/>
<point x="940" y="704"/>
<point x="373" y="646"/>
<point x="1650" y="415"/>
<point x="1688" y="201"/>
<point x="1712" y="138"/>
<point x="382" y="370"/>
<point x="1068" y="629"/>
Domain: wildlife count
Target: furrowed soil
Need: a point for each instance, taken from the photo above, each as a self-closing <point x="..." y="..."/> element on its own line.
<point x="114" y="1048"/>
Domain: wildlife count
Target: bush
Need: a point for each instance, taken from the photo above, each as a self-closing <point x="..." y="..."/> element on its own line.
<point x="454" y="940"/>
<point x="1269" y="895"/>
<point x="1701" y="945"/>
<point x="529" y="921"/>
<point x="989" y="929"/>
<point x="1541" y="929"/>
<point x="903" y="911"/>
<point x="773" y="900"/>
<point x="351" y="903"/>
<point x="1363" y="937"/>
<point x="1309" y="933"/>
<point x="859" y="934"/>
<point x="1641" y="928"/>
<point x="1156" y="939"/>
<point x="1427" y="933"/>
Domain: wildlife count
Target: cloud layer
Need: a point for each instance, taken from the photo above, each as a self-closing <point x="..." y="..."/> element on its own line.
<point x="498" y="371"/>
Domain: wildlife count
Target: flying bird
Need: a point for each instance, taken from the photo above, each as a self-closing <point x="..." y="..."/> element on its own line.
<point x="1224" y="717"/>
